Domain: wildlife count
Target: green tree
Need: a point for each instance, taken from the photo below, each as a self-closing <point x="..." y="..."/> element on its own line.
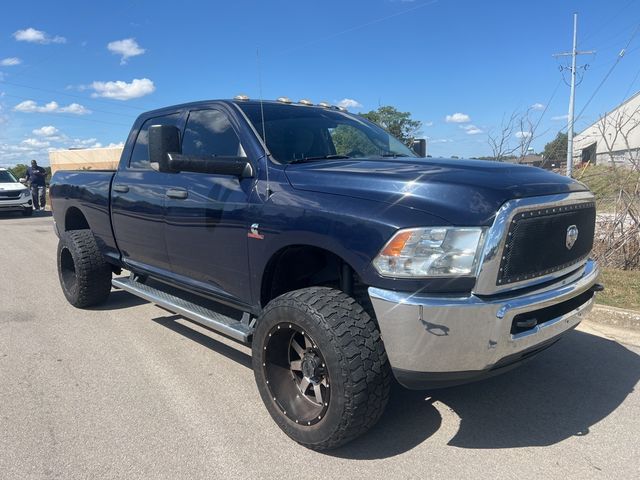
<point x="556" y="149"/>
<point x="399" y="124"/>
<point x="348" y="139"/>
<point x="20" y="170"/>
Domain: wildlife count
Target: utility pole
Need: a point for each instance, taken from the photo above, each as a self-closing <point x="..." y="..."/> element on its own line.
<point x="574" y="53"/>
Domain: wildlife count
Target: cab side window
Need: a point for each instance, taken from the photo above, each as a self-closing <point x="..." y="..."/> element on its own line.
<point x="209" y="134"/>
<point x="140" y="154"/>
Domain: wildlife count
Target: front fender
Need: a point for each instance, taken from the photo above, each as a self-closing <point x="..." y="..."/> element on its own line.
<point x="353" y="229"/>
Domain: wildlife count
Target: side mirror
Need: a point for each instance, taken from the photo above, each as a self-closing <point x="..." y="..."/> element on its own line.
<point x="234" y="166"/>
<point x="163" y="139"/>
<point x="420" y="147"/>
<point x="23" y="180"/>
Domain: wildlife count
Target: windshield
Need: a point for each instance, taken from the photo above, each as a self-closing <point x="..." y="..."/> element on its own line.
<point x="297" y="133"/>
<point x="7" y="177"/>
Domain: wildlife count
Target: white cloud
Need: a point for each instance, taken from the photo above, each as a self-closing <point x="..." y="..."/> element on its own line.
<point x="85" y="143"/>
<point x="116" y="145"/>
<point x="75" y="108"/>
<point x="120" y="90"/>
<point x="537" y="106"/>
<point x="32" y="35"/>
<point x="349" y="103"/>
<point x="471" y="129"/>
<point x="523" y="134"/>
<point x="29" y="106"/>
<point x="457" y="118"/>
<point x="35" y="143"/>
<point x="560" y="117"/>
<point x="46" y="131"/>
<point x="427" y="124"/>
<point x="10" y="62"/>
<point x="126" y="48"/>
<point x="439" y="140"/>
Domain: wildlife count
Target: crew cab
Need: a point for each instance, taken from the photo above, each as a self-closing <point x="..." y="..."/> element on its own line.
<point x="14" y="196"/>
<point x="331" y="248"/>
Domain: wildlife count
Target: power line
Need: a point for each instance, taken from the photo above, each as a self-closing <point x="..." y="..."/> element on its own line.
<point x="71" y="95"/>
<point x="127" y="115"/>
<point x="606" y="23"/>
<point x="358" y="27"/>
<point x="608" y="74"/>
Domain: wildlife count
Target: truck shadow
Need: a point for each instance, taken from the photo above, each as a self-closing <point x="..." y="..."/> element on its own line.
<point x="119" y="299"/>
<point x="234" y="354"/>
<point x="559" y="394"/>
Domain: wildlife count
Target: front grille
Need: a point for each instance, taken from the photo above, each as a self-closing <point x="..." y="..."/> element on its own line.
<point x="9" y="195"/>
<point x="536" y="243"/>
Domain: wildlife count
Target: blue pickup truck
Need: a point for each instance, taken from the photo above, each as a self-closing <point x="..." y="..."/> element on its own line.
<point x="339" y="255"/>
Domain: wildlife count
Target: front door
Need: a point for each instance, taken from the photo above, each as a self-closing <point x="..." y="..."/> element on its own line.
<point x="205" y="214"/>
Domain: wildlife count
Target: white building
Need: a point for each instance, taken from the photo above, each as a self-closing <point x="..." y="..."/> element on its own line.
<point x="613" y="139"/>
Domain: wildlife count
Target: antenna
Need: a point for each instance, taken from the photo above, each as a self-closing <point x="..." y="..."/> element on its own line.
<point x="264" y="131"/>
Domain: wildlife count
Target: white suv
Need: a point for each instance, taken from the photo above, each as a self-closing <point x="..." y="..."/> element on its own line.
<point x="14" y="195"/>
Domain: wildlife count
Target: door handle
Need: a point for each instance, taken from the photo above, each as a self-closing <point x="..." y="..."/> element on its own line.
<point x="120" y="188"/>
<point x="177" y="193"/>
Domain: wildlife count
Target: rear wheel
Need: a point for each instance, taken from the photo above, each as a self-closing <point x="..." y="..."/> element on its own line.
<point x="85" y="276"/>
<point x="320" y="367"/>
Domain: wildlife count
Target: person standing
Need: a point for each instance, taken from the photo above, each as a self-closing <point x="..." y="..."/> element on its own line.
<point x="36" y="177"/>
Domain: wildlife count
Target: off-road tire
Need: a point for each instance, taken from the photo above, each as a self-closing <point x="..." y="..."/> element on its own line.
<point x="350" y="343"/>
<point x="85" y="276"/>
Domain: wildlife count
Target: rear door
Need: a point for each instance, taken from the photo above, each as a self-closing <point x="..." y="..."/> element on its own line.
<point x="138" y="202"/>
<point x="206" y="225"/>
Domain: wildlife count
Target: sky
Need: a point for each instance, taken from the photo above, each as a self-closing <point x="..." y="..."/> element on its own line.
<point x="77" y="73"/>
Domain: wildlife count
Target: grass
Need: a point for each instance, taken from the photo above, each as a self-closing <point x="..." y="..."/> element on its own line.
<point x="621" y="289"/>
<point x="605" y="182"/>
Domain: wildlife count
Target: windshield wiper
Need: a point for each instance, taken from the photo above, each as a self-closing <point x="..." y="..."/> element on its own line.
<point x="394" y="155"/>
<point x="321" y="157"/>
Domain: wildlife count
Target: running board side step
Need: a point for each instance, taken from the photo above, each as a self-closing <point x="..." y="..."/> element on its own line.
<point x="235" y="329"/>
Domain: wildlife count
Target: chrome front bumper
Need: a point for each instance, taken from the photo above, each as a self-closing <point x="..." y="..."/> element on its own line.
<point x="439" y="340"/>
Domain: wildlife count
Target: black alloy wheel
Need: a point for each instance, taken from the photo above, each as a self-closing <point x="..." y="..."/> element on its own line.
<point x="320" y="366"/>
<point x="296" y="374"/>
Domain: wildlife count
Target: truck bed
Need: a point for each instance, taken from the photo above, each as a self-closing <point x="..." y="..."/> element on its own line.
<point x="88" y="191"/>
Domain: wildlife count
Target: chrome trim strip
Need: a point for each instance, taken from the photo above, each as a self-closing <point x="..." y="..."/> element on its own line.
<point x="496" y="238"/>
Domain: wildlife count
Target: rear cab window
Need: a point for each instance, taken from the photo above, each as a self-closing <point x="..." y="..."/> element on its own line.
<point x="140" y="154"/>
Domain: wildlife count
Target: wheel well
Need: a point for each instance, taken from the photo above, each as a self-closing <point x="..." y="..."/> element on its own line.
<point x="75" y="220"/>
<point x="302" y="266"/>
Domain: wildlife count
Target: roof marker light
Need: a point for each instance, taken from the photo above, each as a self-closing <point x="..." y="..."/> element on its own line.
<point x="241" y="97"/>
<point x="305" y="101"/>
<point x="283" y="100"/>
<point x="325" y="104"/>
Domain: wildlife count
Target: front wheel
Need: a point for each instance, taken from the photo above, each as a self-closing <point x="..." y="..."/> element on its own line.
<point x="320" y="367"/>
<point x="85" y="276"/>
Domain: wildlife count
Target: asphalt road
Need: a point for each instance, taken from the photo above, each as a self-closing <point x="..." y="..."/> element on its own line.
<point x="130" y="391"/>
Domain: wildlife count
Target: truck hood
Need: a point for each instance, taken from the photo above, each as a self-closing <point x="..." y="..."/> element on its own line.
<point x="461" y="192"/>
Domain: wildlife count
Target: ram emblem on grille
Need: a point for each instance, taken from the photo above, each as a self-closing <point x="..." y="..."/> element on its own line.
<point x="572" y="236"/>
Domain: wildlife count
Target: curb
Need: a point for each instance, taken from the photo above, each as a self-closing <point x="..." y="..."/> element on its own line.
<point x="615" y="317"/>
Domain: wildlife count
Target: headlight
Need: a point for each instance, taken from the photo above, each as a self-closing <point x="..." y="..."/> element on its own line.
<point x="26" y="193"/>
<point x="431" y="252"/>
